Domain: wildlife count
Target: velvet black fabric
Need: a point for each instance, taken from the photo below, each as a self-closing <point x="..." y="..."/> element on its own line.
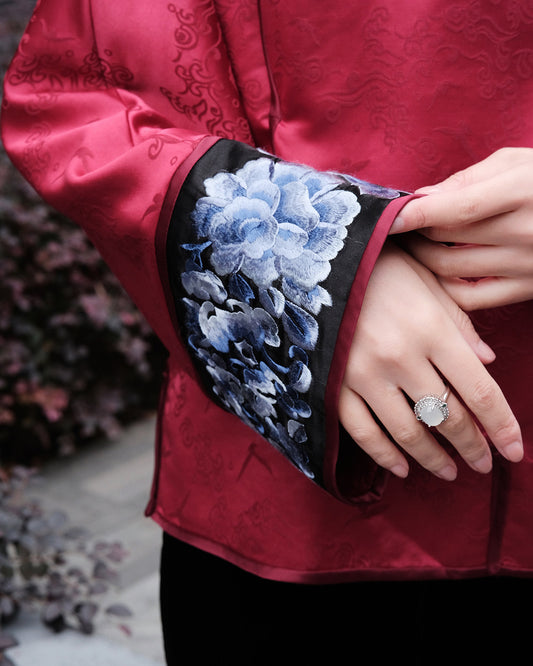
<point x="216" y="613"/>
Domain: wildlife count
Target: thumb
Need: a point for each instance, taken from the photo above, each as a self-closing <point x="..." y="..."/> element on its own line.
<point x="412" y="215"/>
<point x="410" y="218"/>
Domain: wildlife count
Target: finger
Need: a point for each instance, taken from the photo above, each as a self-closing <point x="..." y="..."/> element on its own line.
<point x="463" y="433"/>
<point x="459" y="428"/>
<point x="366" y="433"/>
<point x="507" y="229"/>
<point x="490" y="167"/>
<point x="394" y="412"/>
<point x="480" y="393"/>
<point x="461" y="207"/>
<point x="488" y="292"/>
<point x="470" y="261"/>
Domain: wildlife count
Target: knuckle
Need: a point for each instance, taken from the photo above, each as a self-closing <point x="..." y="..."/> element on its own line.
<point x="432" y="324"/>
<point x="434" y="460"/>
<point x="388" y="352"/>
<point x="459" y="179"/>
<point x="357" y="374"/>
<point x="385" y="458"/>
<point x="484" y="395"/>
<point x="415" y="442"/>
<point x="364" y="436"/>
<point x="392" y="354"/>
<point x="473" y="451"/>
<point x="409" y="438"/>
<point x="468" y="210"/>
<point x="352" y="374"/>
<point x="467" y="300"/>
<point x="457" y="422"/>
<point x="462" y="320"/>
<point x="509" y="155"/>
<point x="417" y="214"/>
<point x="440" y="233"/>
<point x="442" y="263"/>
<point x="507" y="431"/>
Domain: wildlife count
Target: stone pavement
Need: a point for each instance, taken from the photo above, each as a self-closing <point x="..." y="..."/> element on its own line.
<point x="104" y="488"/>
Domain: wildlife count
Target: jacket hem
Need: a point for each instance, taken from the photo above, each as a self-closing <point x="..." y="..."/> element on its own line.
<point x="327" y="577"/>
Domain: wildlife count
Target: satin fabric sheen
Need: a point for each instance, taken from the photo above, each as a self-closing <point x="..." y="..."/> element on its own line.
<point x="106" y="119"/>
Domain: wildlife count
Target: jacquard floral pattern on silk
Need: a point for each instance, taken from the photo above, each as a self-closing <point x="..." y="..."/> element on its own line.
<point x="266" y="236"/>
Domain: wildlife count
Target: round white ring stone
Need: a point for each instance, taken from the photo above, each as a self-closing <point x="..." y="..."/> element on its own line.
<point x="431" y="410"/>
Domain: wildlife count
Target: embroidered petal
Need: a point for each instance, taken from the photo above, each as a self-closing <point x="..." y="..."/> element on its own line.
<point x="338" y="207"/>
<point x="295" y="207"/>
<point x="272" y="300"/>
<point x="205" y="285"/>
<point x="239" y="288"/>
<point x="266" y="191"/>
<point x="310" y="300"/>
<point x="305" y="271"/>
<point x="296" y="431"/>
<point x="290" y="240"/>
<point x="224" y="187"/>
<point x="326" y="241"/>
<point x="300" y="326"/>
<point x="299" y="377"/>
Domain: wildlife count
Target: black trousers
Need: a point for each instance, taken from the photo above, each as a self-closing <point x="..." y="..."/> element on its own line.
<point x="214" y="613"/>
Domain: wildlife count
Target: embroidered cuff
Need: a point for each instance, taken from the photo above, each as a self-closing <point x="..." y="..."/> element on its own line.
<point x="262" y="255"/>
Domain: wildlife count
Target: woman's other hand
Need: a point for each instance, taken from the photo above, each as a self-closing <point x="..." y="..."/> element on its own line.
<point x="477" y="230"/>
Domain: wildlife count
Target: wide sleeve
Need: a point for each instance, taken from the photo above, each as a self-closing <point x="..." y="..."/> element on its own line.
<point x="254" y="267"/>
<point x="268" y="263"/>
<point x="89" y="124"/>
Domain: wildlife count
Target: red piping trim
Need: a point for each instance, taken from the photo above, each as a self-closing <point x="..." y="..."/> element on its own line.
<point x="165" y="216"/>
<point x="161" y="233"/>
<point x="344" y="340"/>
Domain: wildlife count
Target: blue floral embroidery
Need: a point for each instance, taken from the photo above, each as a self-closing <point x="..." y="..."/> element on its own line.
<point x="266" y="237"/>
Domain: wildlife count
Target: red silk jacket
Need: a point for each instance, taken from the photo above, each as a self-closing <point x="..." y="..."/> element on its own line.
<point x="238" y="164"/>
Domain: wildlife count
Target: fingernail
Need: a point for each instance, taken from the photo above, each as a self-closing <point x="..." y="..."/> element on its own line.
<point x="398" y="225"/>
<point x="514" y="452"/>
<point x="447" y="473"/>
<point x="485" y="352"/>
<point x="483" y="465"/>
<point x="400" y="470"/>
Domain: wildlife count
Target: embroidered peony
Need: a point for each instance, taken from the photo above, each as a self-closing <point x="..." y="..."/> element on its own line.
<point x="265" y="239"/>
<point x="275" y="220"/>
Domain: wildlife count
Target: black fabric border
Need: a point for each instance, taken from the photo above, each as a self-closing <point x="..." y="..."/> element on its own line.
<point x="230" y="156"/>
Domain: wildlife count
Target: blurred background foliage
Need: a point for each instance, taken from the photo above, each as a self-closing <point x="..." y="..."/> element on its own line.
<point x="77" y="360"/>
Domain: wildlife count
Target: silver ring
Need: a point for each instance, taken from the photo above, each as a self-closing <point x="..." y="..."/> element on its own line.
<point x="433" y="409"/>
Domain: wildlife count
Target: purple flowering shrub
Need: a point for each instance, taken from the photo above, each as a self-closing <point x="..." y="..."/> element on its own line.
<point x="50" y="567"/>
<point x="77" y="359"/>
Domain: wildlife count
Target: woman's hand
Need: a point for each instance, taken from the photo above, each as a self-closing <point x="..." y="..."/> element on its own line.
<point x="411" y="339"/>
<point x="486" y="212"/>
